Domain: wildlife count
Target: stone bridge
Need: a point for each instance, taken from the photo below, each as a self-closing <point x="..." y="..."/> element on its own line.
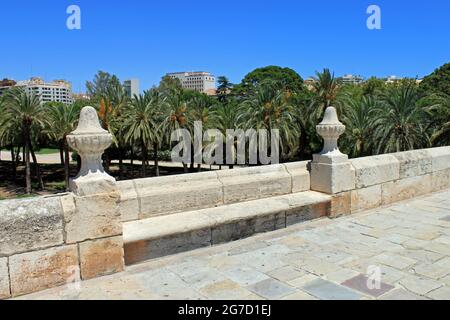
<point x="104" y="227"/>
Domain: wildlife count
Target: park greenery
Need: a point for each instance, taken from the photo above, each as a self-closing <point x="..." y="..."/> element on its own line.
<point x="380" y="117"/>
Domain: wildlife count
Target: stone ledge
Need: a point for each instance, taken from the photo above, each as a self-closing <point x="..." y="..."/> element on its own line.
<point x="440" y="158"/>
<point x="300" y="175"/>
<point x="245" y="184"/>
<point x="39" y="270"/>
<point x="414" y="163"/>
<point x="375" y="170"/>
<point x="5" y="290"/>
<point x="164" y="235"/>
<point x="129" y="200"/>
<point x="30" y="224"/>
<point x="403" y="189"/>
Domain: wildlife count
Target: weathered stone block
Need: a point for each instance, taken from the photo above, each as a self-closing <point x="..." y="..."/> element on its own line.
<point x="414" y="163"/>
<point x="101" y="257"/>
<point x="300" y="175"/>
<point x="129" y="202"/>
<point x="332" y="178"/>
<point x="440" y="180"/>
<point x="374" y="170"/>
<point x="341" y="204"/>
<point x="92" y="217"/>
<point x="405" y="188"/>
<point x="171" y="194"/>
<point x="255" y="183"/>
<point x="4" y="279"/>
<point x="440" y="158"/>
<point x="146" y="249"/>
<point x="39" y="270"/>
<point x="30" y="224"/>
<point x="307" y="212"/>
<point x="366" y="198"/>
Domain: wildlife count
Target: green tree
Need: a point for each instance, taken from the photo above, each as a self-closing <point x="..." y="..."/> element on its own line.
<point x="401" y="122"/>
<point x="326" y="89"/>
<point x="26" y="113"/>
<point x="224" y="88"/>
<point x="438" y="81"/>
<point x="283" y="78"/>
<point x="102" y="83"/>
<point x="61" y="121"/>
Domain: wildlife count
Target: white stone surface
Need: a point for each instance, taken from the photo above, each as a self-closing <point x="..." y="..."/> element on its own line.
<point x="252" y="183"/>
<point x="440" y="158"/>
<point x="129" y="202"/>
<point x="300" y="175"/>
<point x="332" y="179"/>
<point x="171" y="194"/>
<point x="414" y="163"/>
<point x="30" y="224"/>
<point x="366" y="198"/>
<point x="374" y="170"/>
<point x="406" y="188"/>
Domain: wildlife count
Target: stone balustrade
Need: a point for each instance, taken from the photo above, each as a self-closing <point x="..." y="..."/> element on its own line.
<point x="49" y="241"/>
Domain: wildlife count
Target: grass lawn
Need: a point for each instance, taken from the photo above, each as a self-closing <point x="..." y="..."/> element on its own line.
<point x="43" y="151"/>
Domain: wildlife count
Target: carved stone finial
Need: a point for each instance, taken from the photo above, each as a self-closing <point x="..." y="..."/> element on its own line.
<point x="330" y="129"/>
<point x="90" y="140"/>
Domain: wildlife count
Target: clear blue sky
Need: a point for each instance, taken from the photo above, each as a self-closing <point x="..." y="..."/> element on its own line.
<point x="146" y="38"/>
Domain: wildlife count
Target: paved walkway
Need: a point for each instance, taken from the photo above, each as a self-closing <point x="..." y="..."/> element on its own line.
<point x="408" y="244"/>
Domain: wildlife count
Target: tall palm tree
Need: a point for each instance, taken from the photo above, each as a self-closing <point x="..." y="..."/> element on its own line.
<point x="25" y="111"/>
<point x="62" y="120"/>
<point x="358" y="115"/>
<point x="326" y="89"/>
<point x="270" y="108"/>
<point x="175" y="114"/>
<point x="140" y="126"/>
<point x="401" y="122"/>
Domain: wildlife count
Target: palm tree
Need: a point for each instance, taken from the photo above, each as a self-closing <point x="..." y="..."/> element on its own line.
<point x="440" y="110"/>
<point x="25" y="111"/>
<point x="326" y="89"/>
<point x="401" y="122"/>
<point x="62" y="120"/>
<point x="140" y="126"/>
<point x="175" y="114"/>
<point x="270" y="108"/>
<point x="358" y="115"/>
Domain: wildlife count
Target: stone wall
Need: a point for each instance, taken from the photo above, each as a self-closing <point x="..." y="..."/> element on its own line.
<point x="145" y="198"/>
<point x="50" y="241"/>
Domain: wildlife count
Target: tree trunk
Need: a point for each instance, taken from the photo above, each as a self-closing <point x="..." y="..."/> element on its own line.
<point x="199" y="167"/>
<point x="37" y="169"/>
<point x="120" y="163"/>
<point x="13" y="164"/>
<point x="185" y="167"/>
<point x="27" y="166"/>
<point x="155" y="149"/>
<point x="144" y="158"/>
<point x="66" y="165"/>
<point x="132" y="156"/>
<point x="61" y="151"/>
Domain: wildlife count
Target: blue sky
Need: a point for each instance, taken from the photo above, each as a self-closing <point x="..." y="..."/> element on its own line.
<point x="146" y="38"/>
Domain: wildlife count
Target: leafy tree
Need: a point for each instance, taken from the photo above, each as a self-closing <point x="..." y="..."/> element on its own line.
<point x="326" y="89"/>
<point x="373" y="86"/>
<point x="282" y="78"/>
<point x="401" y="123"/>
<point x="224" y="88"/>
<point x="438" y="81"/>
<point x="101" y="85"/>
<point x="26" y="114"/>
<point x="62" y="120"/>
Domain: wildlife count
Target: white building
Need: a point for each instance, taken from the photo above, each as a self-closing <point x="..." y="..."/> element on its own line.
<point x="351" y="79"/>
<point x="56" y="91"/>
<point x="131" y="87"/>
<point x="199" y="81"/>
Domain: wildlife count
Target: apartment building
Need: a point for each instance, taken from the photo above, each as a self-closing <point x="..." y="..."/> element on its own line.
<point x="55" y="91"/>
<point x="199" y="81"/>
<point x="351" y="79"/>
<point x="131" y="87"/>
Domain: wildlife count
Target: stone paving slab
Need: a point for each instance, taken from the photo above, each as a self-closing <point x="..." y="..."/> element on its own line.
<point x="322" y="259"/>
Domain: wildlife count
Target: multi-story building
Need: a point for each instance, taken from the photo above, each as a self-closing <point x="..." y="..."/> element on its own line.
<point x="199" y="81"/>
<point x="351" y="79"/>
<point x="56" y="91"/>
<point x="131" y="87"/>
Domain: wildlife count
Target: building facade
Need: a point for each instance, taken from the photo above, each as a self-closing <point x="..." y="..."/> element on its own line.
<point x="55" y="91"/>
<point x="131" y="87"/>
<point x="351" y="79"/>
<point x="198" y="81"/>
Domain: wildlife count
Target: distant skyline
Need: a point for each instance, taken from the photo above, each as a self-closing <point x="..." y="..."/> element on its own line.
<point x="147" y="39"/>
